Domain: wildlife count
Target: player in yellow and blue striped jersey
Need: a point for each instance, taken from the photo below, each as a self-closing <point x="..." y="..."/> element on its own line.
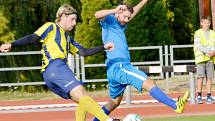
<point x="56" y="44"/>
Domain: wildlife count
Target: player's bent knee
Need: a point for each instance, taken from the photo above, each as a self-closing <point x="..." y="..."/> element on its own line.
<point x="77" y="93"/>
<point x="148" y="84"/>
<point x="115" y="103"/>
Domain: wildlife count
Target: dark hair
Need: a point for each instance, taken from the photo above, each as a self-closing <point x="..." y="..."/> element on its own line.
<point x="206" y="18"/>
<point x="129" y="7"/>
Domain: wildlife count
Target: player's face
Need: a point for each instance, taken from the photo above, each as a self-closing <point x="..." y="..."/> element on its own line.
<point x="70" y="21"/>
<point x="124" y="17"/>
<point x="205" y="24"/>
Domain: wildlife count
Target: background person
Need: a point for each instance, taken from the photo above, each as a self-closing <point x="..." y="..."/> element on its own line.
<point x="204" y="51"/>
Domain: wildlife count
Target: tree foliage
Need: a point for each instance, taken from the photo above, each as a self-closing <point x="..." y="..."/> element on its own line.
<point x="24" y="17"/>
<point x="6" y="34"/>
<point x="185" y="19"/>
<point x="160" y="22"/>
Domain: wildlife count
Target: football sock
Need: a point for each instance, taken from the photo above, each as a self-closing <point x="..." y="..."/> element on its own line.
<point x="158" y="94"/>
<point x="80" y="114"/>
<point x="106" y="112"/>
<point x="90" y="106"/>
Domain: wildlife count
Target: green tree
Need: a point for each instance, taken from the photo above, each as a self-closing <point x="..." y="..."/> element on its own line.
<point x="88" y="32"/>
<point x="185" y="18"/>
<point x="6" y="34"/>
<point x="26" y="16"/>
<point x="151" y="28"/>
<point x="184" y="24"/>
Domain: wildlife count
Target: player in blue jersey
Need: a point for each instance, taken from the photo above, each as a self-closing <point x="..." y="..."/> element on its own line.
<point x="120" y="72"/>
<point x="56" y="44"/>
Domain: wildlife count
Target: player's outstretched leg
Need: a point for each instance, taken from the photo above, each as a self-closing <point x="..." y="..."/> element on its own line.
<point x="160" y="96"/>
<point x="178" y="105"/>
<point x="181" y="102"/>
<point x="80" y="114"/>
<point x="87" y="104"/>
<point x="106" y="112"/>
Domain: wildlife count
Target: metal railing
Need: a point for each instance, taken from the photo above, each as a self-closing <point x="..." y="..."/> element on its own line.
<point x="156" y="62"/>
<point x="5" y="69"/>
<point x="78" y="66"/>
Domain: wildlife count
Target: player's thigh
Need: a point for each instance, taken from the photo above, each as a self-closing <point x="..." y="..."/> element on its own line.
<point x="116" y="89"/>
<point x="61" y="77"/>
<point x="57" y="90"/>
<point x="200" y="70"/>
<point x="121" y="75"/>
<point x="135" y="77"/>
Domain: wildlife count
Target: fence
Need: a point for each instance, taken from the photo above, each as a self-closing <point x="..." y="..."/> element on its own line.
<point x="179" y="68"/>
<point x="166" y="58"/>
<point x="156" y="62"/>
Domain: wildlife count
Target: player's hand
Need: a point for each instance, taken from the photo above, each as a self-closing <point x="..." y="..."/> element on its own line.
<point x="212" y="53"/>
<point x="120" y="8"/>
<point x="109" y="46"/>
<point x="5" y="47"/>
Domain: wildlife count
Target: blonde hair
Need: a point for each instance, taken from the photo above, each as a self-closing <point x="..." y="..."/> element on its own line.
<point x="64" y="9"/>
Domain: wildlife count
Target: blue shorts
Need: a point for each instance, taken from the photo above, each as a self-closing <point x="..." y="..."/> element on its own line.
<point x="59" y="78"/>
<point x="122" y="74"/>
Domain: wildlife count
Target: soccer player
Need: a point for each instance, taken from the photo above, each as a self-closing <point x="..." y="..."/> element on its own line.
<point x="204" y="51"/>
<point x="56" y="44"/>
<point x="120" y="72"/>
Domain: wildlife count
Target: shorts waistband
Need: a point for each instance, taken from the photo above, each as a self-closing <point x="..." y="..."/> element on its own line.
<point x="117" y="60"/>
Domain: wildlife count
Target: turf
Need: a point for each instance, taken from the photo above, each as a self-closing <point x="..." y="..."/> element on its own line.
<point x="18" y="95"/>
<point x="185" y="118"/>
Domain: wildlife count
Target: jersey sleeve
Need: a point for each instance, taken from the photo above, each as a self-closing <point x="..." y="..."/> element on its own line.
<point x="109" y="19"/>
<point x="74" y="46"/>
<point x="44" y="30"/>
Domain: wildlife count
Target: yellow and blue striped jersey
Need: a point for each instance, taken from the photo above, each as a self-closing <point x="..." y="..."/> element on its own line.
<point x="56" y="43"/>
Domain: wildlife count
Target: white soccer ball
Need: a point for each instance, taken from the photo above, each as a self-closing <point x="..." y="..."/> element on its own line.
<point x="133" y="117"/>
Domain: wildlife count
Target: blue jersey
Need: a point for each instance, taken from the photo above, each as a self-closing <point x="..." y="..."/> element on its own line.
<point x="113" y="31"/>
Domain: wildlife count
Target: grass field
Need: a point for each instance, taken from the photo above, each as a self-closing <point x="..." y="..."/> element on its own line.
<point x="18" y="95"/>
<point x="186" y="118"/>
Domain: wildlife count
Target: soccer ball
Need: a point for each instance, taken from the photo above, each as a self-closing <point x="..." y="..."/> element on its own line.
<point x="133" y="117"/>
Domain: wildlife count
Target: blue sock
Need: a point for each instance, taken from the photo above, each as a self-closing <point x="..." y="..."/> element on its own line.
<point x="106" y="112"/>
<point x="158" y="94"/>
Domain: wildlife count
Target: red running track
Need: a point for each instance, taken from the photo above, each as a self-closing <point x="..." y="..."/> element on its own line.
<point x="149" y="110"/>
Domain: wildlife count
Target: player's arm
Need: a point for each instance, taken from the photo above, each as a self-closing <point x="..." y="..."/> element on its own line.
<point x="202" y="48"/>
<point x="91" y="51"/>
<point x="22" y="41"/>
<point x="137" y="8"/>
<point x="103" y="13"/>
<point x="199" y="46"/>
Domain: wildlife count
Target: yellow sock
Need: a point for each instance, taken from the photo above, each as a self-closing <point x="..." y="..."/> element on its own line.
<point x="80" y="114"/>
<point x="89" y="105"/>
